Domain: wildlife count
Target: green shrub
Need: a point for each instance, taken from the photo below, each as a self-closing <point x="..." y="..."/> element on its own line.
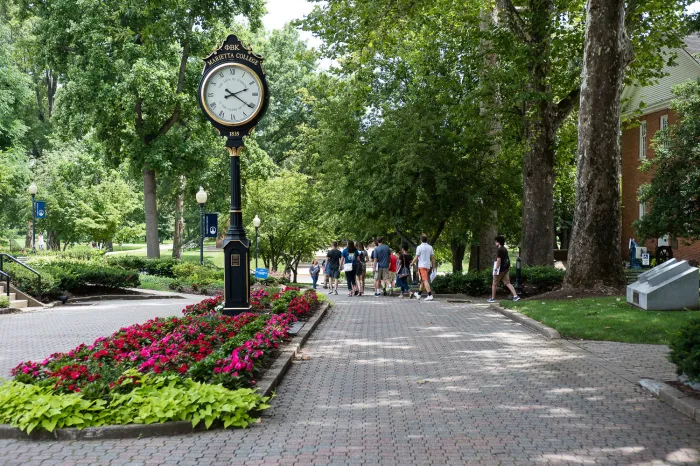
<point x="542" y="277"/>
<point x="4" y="302"/>
<point x="87" y="254"/>
<point x="685" y="351"/>
<point x="127" y="262"/>
<point x="479" y="283"/>
<point x="76" y="276"/>
<point x="160" y="267"/>
<point x="26" y="281"/>
<point x="152" y="282"/>
<point x="151" y="400"/>
<point x="197" y="273"/>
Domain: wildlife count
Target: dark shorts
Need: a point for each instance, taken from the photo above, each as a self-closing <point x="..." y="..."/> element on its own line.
<point x="333" y="272"/>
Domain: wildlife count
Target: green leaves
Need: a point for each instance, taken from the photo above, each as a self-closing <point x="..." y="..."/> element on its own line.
<point x="152" y="400"/>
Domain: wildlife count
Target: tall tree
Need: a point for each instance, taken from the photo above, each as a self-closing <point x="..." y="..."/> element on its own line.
<point x="607" y="53"/>
<point x="131" y="72"/>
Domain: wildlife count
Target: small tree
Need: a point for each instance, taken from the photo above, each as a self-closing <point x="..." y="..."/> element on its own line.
<point x="674" y="191"/>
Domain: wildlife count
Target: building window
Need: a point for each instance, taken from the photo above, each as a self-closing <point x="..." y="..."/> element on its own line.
<point x="663" y="125"/>
<point x="643" y="140"/>
<point x="642" y="209"/>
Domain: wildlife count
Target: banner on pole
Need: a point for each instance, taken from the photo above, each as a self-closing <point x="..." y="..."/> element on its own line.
<point x="40" y="209"/>
<point x="211" y="225"/>
<point x="261" y="273"/>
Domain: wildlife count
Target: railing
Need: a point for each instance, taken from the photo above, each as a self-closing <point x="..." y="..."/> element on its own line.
<point x="15" y="260"/>
<point x="5" y="276"/>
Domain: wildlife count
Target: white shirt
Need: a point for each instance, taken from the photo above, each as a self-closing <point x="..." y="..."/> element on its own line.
<point x="423" y="253"/>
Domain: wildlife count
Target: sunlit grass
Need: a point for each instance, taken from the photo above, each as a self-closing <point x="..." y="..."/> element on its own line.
<point x="607" y="319"/>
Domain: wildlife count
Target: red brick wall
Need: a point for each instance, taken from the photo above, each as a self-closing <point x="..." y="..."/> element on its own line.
<point x="632" y="178"/>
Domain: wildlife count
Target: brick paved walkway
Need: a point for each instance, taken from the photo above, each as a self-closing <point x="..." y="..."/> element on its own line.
<point x="644" y="361"/>
<point x="394" y="382"/>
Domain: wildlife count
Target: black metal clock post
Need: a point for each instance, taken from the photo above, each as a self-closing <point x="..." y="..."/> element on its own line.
<point x="236" y="245"/>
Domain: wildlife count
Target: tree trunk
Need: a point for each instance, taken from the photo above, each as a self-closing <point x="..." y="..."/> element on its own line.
<point x="486" y="237"/>
<point x="109" y="246"/>
<point x="28" y="237"/>
<point x="151" y="208"/>
<point x="179" y="227"/>
<point x="594" y="254"/>
<point x="458" y="249"/>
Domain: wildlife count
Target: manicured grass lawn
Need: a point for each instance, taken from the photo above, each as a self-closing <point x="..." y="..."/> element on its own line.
<point x="607" y="319"/>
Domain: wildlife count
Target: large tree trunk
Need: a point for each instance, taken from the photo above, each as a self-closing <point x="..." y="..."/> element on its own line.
<point x="594" y="254"/>
<point x="486" y="237"/>
<point x="458" y="249"/>
<point x="179" y="227"/>
<point x="151" y="208"/>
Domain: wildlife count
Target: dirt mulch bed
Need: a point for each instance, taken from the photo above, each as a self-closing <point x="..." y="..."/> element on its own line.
<point x="685" y="389"/>
<point x="576" y="293"/>
<point x="101" y="291"/>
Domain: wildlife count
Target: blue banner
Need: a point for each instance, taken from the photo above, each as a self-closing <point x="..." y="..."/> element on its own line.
<point x="261" y="273"/>
<point x="211" y="225"/>
<point x="40" y="209"/>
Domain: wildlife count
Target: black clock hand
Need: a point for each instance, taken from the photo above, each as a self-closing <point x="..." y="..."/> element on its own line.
<point x="249" y="105"/>
<point x="233" y="94"/>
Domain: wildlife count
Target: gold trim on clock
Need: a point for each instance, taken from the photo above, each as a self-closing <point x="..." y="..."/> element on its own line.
<point x="205" y="80"/>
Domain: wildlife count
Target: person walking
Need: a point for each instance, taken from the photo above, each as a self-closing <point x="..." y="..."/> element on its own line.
<point x="393" y="261"/>
<point x="364" y="258"/>
<point x="501" y="269"/>
<point x="333" y="259"/>
<point x="404" y="272"/>
<point x="324" y="266"/>
<point x="349" y="262"/>
<point x="41" y="242"/>
<point x="314" y="270"/>
<point x="425" y="257"/>
<point x="380" y="262"/>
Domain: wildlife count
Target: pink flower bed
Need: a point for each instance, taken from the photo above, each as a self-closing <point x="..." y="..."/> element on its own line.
<point x="203" y="344"/>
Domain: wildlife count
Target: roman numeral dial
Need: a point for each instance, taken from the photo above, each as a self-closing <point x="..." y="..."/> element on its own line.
<point x="232" y="94"/>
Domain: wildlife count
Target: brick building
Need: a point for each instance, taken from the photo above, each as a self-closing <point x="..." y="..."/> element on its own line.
<point x="636" y="142"/>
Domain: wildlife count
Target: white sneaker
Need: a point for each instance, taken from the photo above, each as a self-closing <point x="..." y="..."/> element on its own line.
<point x="491" y="300"/>
<point x="429" y="298"/>
<point x="417" y="295"/>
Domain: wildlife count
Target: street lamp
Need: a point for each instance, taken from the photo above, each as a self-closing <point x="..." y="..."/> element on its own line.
<point x="32" y="189"/>
<point x="201" y="200"/>
<point x="256" y="224"/>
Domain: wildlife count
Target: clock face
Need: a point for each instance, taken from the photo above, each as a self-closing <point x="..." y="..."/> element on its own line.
<point x="232" y="94"/>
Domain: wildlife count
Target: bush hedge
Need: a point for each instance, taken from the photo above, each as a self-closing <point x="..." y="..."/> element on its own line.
<point x="72" y="276"/>
<point x="479" y="283"/>
<point x="4" y="302"/>
<point x="25" y="280"/>
<point x="685" y="351"/>
<point x="160" y="267"/>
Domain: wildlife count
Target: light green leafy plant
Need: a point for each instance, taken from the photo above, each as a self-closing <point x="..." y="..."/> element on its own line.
<point x="151" y="400"/>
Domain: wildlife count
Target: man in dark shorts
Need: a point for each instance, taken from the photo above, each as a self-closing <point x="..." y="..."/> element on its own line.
<point x="380" y="257"/>
<point x="333" y="258"/>
<point x="501" y="270"/>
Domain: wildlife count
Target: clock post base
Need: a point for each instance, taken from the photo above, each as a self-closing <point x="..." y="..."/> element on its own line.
<point x="236" y="276"/>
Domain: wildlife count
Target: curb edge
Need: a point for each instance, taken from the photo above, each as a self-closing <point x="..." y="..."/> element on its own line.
<point x="527" y="321"/>
<point x="676" y="399"/>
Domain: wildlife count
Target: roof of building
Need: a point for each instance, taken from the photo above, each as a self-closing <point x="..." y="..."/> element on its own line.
<point x="692" y="44"/>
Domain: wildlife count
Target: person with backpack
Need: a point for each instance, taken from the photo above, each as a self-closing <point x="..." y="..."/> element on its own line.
<point x="404" y="272"/>
<point x="501" y="269"/>
<point x="349" y="263"/>
<point x="380" y="259"/>
<point x="364" y="258"/>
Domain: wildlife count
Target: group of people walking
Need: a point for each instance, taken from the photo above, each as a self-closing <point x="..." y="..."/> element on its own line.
<point x="389" y="269"/>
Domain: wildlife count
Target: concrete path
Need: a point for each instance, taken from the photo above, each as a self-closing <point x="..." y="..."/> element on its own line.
<point x="391" y="382"/>
<point x="36" y="335"/>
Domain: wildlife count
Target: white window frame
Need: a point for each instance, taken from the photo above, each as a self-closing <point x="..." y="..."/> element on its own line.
<point x="642" y="140"/>
<point x="642" y="209"/>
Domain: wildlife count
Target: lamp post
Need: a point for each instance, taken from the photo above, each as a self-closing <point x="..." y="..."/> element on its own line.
<point x="256" y="224"/>
<point x="32" y="189"/>
<point x="201" y="200"/>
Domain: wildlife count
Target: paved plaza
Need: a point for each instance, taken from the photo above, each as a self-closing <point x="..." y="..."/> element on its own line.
<point x="390" y="381"/>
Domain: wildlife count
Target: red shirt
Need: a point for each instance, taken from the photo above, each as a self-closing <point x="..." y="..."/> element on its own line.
<point x="392" y="262"/>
